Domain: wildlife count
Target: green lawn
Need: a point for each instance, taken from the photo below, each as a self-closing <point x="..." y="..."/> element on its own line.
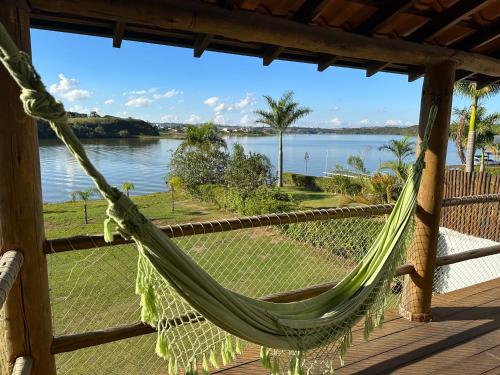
<point x="94" y="289"/>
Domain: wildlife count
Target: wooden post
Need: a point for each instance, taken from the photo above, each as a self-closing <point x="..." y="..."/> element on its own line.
<point x="27" y="309"/>
<point x="438" y="85"/>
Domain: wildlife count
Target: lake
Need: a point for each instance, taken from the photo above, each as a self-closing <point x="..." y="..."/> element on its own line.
<point x="145" y="161"/>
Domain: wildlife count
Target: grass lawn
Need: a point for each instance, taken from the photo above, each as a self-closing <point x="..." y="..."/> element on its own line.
<point x="94" y="289"/>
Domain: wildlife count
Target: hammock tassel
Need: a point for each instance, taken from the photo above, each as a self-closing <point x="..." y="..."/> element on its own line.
<point x="213" y="359"/>
<point x="204" y="366"/>
<point x="108" y="230"/>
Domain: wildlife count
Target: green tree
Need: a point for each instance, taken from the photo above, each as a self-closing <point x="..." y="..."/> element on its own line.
<point x="401" y="149"/>
<point x="280" y="115"/>
<point x="84" y="196"/>
<point x="470" y="90"/>
<point x="357" y="163"/>
<point x="484" y="125"/>
<point x="127" y="186"/>
<point x="245" y="173"/>
<point x="203" y="137"/>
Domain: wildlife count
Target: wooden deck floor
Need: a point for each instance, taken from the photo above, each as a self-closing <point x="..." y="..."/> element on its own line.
<point x="463" y="338"/>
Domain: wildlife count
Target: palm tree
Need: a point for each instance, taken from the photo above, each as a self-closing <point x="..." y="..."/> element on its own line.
<point x="401" y="149"/>
<point x="84" y="196"/>
<point x="280" y="115"/>
<point x="469" y="90"/>
<point x="203" y="136"/>
<point x="484" y="130"/>
<point x="127" y="186"/>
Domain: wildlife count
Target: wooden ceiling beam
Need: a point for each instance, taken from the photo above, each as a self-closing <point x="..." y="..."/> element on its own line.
<point x="481" y="84"/>
<point x="270" y="53"/>
<point x="448" y="18"/>
<point x="461" y="75"/>
<point x="480" y="38"/>
<point x="384" y="15"/>
<point x="415" y="73"/>
<point x="251" y="27"/>
<point x="201" y="43"/>
<point x="373" y="69"/>
<point x="325" y="61"/>
<point x="118" y="33"/>
<point x="310" y="10"/>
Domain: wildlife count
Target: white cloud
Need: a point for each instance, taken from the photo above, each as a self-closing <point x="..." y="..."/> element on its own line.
<point x="335" y="121"/>
<point x="365" y="121"/>
<point x="335" y="108"/>
<point x="169" y="118"/>
<point x="109" y="101"/>
<point x="245" y="120"/>
<point x="245" y="102"/>
<point x="393" y="122"/>
<point x="140" y="101"/>
<point x="212" y="101"/>
<point x="409" y="123"/>
<point x="219" y="118"/>
<point x="168" y="94"/>
<point x="67" y="88"/>
<point x="193" y="119"/>
<point x="220" y="107"/>
<point x="78" y="108"/>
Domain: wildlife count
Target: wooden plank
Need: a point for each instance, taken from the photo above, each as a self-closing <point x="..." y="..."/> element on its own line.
<point x="415" y="73"/>
<point x="447" y="19"/>
<point x="267" y="30"/>
<point x="484" y="36"/>
<point x="309" y="10"/>
<point x="27" y="309"/>
<point x="384" y="15"/>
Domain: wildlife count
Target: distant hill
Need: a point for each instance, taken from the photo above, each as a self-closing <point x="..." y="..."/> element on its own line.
<point x="265" y="130"/>
<point x="101" y="127"/>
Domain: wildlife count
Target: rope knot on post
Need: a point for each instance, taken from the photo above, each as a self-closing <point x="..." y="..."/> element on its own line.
<point x="42" y="105"/>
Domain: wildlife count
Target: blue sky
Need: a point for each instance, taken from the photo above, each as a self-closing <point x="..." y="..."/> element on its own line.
<point x="160" y="83"/>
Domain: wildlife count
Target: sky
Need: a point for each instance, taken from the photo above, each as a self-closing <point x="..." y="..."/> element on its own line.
<point x="167" y="84"/>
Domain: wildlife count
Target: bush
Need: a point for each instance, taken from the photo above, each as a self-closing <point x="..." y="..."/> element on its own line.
<point x="302" y="180"/>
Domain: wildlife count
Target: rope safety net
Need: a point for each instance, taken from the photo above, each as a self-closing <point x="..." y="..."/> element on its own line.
<point x="296" y="337"/>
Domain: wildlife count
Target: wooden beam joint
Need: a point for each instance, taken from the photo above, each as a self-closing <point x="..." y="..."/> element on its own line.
<point x="373" y="69"/>
<point x="325" y="61"/>
<point x="118" y="33"/>
<point x="270" y="53"/>
<point x="201" y="43"/>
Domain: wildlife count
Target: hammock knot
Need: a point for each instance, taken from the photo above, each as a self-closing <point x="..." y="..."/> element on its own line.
<point x="126" y="215"/>
<point x="42" y="105"/>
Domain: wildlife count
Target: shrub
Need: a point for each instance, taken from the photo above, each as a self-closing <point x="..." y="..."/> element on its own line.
<point x="301" y="180"/>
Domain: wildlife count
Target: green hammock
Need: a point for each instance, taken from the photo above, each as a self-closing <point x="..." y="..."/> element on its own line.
<point x="296" y="326"/>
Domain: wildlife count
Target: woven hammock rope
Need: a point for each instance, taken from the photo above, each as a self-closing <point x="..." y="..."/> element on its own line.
<point x="293" y="335"/>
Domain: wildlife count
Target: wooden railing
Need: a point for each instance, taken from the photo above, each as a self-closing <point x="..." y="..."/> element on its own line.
<point x="77" y="341"/>
<point x="10" y="265"/>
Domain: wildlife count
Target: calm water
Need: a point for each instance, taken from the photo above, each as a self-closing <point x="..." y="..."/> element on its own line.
<point x="145" y="161"/>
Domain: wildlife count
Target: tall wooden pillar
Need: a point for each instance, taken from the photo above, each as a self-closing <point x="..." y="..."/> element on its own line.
<point x="27" y="310"/>
<point x="437" y="87"/>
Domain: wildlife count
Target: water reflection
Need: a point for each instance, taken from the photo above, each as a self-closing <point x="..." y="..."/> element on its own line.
<point x="144" y="161"/>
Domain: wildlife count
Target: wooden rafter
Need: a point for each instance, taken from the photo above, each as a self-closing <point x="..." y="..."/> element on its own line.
<point x="461" y="75"/>
<point x="384" y="15"/>
<point x="376" y="67"/>
<point x="310" y="10"/>
<point x="201" y="43"/>
<point x="260" y="30"/>
<point x="450" y="17"/>
<point x="480" y="38"/>
<point x="326" y="61"/>
<point x="270" y="53"/>
<point x="118" y="33"/>
<point x="415" y="73"/>
<point x="482" y="83"/>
